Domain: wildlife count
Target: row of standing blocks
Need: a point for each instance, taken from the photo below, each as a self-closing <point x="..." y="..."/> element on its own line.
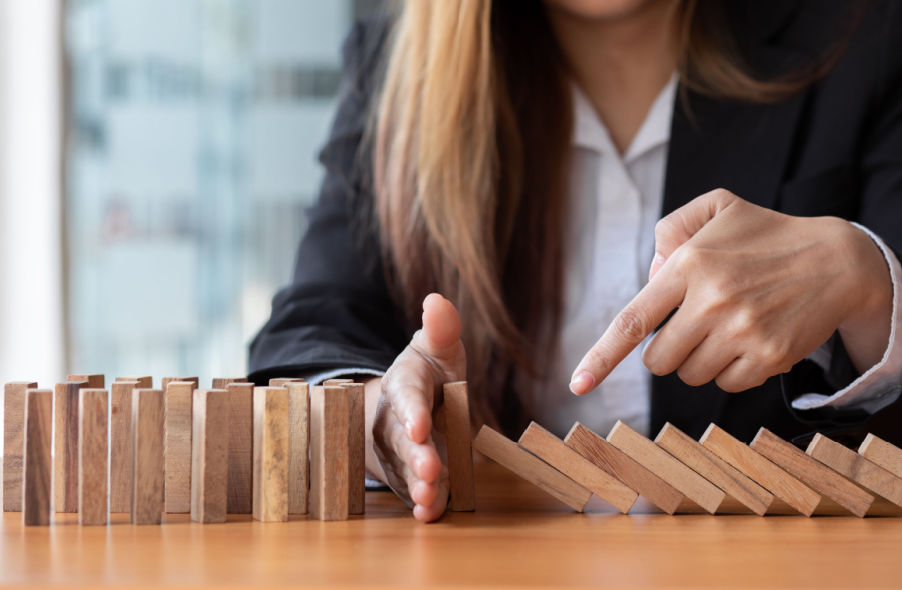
<point x="717" y="474"/>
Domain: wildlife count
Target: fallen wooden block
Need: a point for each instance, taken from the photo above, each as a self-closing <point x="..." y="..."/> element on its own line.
<point x="882" y="453"/>
<point x="121" y="445"/>
<point x="857" y="468"/>
<point x="509" y="454"/>
<point x="37" y="474"/>
<point x="553" y="451"/>
<point x="698" y="490"/>
<point x="179" y="397"/>
<point x="454" y="414"/>
<point x="329" y="433"/>
<point x="93" y="490"/>
<point x="147" y="456"/>
<point x="167" y="380"/>
<point x="144" y="382"/>
<point x="733" y="482"/>
<point x="780" y="483"/>
<point x="14" y="395"/>
<point x="65" y="446"/>
<point x="241" y="448"/>
<point x="95" y="381"/>
<point x="210" y="455"/>
<point x="270" y="454"/>
<point x="224" y="382"/>
<point x="299" y="446"/>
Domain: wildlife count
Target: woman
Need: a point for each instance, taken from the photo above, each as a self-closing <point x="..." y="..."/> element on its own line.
<point x="516" y="156"/>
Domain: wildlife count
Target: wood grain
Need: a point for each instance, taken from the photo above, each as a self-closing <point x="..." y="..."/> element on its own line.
<point x="299" y="446"/>
<point x="167" y="380"/>
<point x="882" y="453"/>
<point x="95" y="381"/>
<point x="776" y="480"/>
<point x="811" y="472"/>
<point x="455" y="410"/>
<point x="14" y="442"/>
<point x="356" y="447"/>
<point x="271" y="411"/>
<point x="144" y="382"/>
<point x="857" y="468"/>
<point x="93" y="490"/>
<point x="521" y="462"/>
<point x="329" y="432"/>
<point x="65" y="446"/>
<point x="179" y="397"/>
<point x="147" y="456"/>
<point x="224" y="382"/>
<point x="121" y="445"/>
<point x="733" y="482"/>
<point x="693" y="486"/>
<point x="241" y="448"/>
<point x="210" y="455"/>
<point x="37" y="474"/>
<point x="553" y="451"/>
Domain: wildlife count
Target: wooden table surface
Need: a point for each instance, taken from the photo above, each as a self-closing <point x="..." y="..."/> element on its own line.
<point x="518" y="537"/>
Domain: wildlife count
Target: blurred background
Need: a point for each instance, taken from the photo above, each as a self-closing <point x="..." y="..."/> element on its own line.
<point x="156" y="157"/>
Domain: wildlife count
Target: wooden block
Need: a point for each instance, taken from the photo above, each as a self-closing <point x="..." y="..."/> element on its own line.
<point x="271" y="454"/>
<point x="357" y="447"/>
<point x="210" y="456"/>
<point x="620" y="465"/>
<point x="299" y="446"/>
<point x="14" y="442"/>
<point x="862" y="471"/>
<point x="167" y="380"/>
<point x="283" y="381"/>
<point x="329" y="432"/>
<point x="144" y="382"/>
<point x="882" y="453"/>
<point x="223" y="382"/>
<point x="147" y="456"/>
<point x="121" y="445"/>
<point x="696" y="488"/>
<point x="780" y="483"/>
<point x="455" y="415"/>
<point x="521" y="462"/>
<point x="241" y="445"/>
<point x="37" y="474"/>
<point x="90" y="381"/>
<point x="65" y="446"/>
<point x="93" y="491"/>
<point x="177" y="453"/>
<point x="336" y="381"/>
<point x="733" y="482"/>
<point x="553" y="451"/>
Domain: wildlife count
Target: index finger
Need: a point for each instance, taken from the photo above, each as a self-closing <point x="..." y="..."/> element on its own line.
<point x="638" y="319"/>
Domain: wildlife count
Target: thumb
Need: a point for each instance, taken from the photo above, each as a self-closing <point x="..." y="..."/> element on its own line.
<point x="676" y="229"/>
<point x="440" y="336"/>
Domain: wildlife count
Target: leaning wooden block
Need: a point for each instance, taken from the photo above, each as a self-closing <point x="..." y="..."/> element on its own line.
<point x="455" y="414"/>
<point x="65" y="446"/>
<point x="167" y="380"/>
<point x="36" y="496"/>
<point x="857" y="468"/>
<point x="329" y="415"/>
<point x="95" y="381"/>
<point x="696" y="488"/>
<point x="14" y="395"/>
<point x="299" y="446"/>
<point x="819" y="477"/>
<point x="553" y="451"/>
<point x="780" y="483"/>
<point x="241" y="443"/>
<point x="178" y="425"/>
<point x="882" y="453"/>
<point x="121" y="445"/>
<point x="147" y="456"/>
<point x="210" y="455"/>
<point x="223" y="382"/>
<point x="144" y="382"/>
<point x="618" y="464"/>
<point x="271" y="454"/>
<point x="732" y="481"/>
<point x="93" y="491"/>
<point x="357" y="447"/>
<point x="509" y="454"/>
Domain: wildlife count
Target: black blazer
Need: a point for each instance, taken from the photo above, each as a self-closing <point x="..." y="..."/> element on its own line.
<point x="834" y="149"/>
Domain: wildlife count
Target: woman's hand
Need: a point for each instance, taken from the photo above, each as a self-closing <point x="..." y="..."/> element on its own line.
<point x="404" y="453"/>
<point x="757" y="291"/>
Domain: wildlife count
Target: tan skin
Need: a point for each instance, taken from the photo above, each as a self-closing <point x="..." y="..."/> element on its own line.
<point x="757" y="290"/>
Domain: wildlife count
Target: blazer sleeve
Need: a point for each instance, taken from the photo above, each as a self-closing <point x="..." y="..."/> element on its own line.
<point x="337" y="312"/>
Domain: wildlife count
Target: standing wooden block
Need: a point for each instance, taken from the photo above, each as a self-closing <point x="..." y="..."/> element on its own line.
<point x="90" y="381"/>
<point x="93" y="491"/>
<point x="882" y="453"/>
<point x="299" y="446"/>
<point x="14" y="442"/>
<point x="820" y="478"/>
<point x="357" y="447"/>
<point x="241" y="444"/>
<point x="509" y="454"/>
<point x="167" y="380"/>
<point x="210" y="456"/>
<point x="121" y="445"/>
<point x="223" y="382"/>
<point x="696" y="488"/>
<point x="618" y="464"/>
<point x="283" y="381"/>
<point x="271" y="454"/>
<point x="857" y="468"/>
<point x="338" y="382"/>
<point x="37" y="472"/>
<point x="732" y="481"/>
<point x="144" y="382"/>
<point x="780" y="483"/>
<point x="147" y="456"/>
<point x="455" y="415"/>
<point x="178" y="446"/>
<point x="329" y="431"/>
<point x="553" y="451"/>
<point x="65" y="446"/>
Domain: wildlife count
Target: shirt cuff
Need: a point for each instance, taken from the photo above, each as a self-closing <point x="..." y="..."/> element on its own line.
<point x="880" y="385"/>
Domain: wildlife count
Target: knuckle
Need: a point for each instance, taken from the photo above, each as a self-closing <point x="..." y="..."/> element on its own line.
<point x="663" y="227"/>
<point x="691" y="376"/>
<point x="730" y="384"/>
<point x="632" y="323"/>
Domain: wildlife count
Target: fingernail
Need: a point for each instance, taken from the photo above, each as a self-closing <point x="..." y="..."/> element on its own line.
<point x="408" y="428"/>
<point x="659" y="259"/>
<point x="582" y="382"/>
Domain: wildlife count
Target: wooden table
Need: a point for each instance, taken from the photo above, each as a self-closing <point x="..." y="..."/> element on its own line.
<point x="518" y="537"/>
